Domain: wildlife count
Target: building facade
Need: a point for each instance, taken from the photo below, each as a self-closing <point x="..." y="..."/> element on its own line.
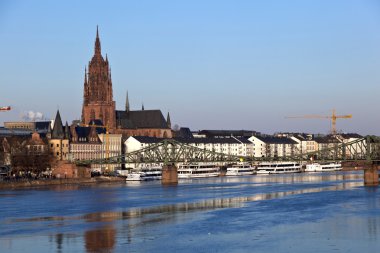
<point x="90" y="143"/>
<point x="271" y="146"/>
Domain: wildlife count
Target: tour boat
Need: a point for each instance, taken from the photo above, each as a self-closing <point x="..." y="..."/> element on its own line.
<point x="240" y="169"/>
<point x="145" y="174"/>
<point x="195" y="170"/>
<point x="319" y="167"/>
<point x="278" y="167"/>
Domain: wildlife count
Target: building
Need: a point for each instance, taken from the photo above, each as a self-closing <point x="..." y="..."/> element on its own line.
<point x="143" y="123"/>
<point x="347" y="138"/>
<point x="20" y="125"/>
<point x="225" y="133"/>
<point x="183" y="132"/>
<point x="8" y="132"/>
<point x="59" y="138"/>
<point x="85" y="143"/>
<point x="37" y="145"/>
<point x="271" y="146"/>
<point x="259" y="146"/>
<point x="38" y="126"/>
<point x="89" y="143"/>
<point x="98" y="104"/>
<point x="326" y="142"/>
<point x="98" y="95"/>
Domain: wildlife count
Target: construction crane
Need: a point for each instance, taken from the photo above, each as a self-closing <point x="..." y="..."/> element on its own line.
<point x="5" y="108"/>
<point x="333" y="118"/>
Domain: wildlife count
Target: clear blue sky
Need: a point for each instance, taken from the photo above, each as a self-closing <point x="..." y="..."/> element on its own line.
<point x="212" y="64"/>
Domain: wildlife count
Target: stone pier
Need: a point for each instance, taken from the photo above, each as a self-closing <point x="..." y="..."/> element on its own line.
<point x="371" y="175"/>
<point x="169" y="175"/>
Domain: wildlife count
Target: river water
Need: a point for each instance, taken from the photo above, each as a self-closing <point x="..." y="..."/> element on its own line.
<point x="319" y="212"/>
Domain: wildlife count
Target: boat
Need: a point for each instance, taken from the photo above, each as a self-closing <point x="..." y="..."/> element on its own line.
<point x="278" y="167"/>
<point x="198" y="170"/>
<point x="240" y="169"/>
<point x="145" y="174"/>
<point x="319" y="167"/>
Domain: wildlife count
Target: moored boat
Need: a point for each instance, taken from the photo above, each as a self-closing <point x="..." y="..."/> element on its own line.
<point x="278" y="167"/>
<point x="319" y="167"/>
<point x="145" y="174"/>
<point x="198" y="170"/>
<point x="240" y="169"/>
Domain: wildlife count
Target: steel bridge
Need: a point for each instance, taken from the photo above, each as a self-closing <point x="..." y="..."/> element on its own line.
<point x="170" y="151"/>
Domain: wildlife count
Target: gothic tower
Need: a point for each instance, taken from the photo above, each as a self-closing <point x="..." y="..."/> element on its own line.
<point x="97" y="97"/>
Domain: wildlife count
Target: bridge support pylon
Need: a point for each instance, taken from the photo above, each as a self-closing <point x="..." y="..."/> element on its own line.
<point x="371" y="175"/>
<point x="169" y="175"/>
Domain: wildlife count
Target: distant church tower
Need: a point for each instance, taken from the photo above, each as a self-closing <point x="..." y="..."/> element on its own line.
<point x="97" y="97"/>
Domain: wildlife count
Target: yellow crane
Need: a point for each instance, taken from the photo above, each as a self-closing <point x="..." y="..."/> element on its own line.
<point x="333" y="118"/>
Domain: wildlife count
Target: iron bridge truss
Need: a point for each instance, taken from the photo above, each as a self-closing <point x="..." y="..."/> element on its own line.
<point x="170" y="151"/>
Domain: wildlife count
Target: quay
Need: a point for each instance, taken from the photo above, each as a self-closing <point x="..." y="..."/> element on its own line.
<point x="24" y="183"/>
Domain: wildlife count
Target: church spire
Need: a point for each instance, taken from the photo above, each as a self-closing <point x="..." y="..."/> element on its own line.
<point x="85" y="75"/>
<point x="142" y="107"/>
<point x="127" y="103"/>
<point x="58" y="132"/>
<point x="168" y="122"/>
<point x="97" y="43"/>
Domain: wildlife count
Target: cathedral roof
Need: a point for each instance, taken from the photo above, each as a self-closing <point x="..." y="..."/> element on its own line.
<point x="83" y="134"/>
<point x="141" y="119"/>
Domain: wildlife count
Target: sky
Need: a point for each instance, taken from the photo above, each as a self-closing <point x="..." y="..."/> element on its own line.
<point x="239" y="64"/>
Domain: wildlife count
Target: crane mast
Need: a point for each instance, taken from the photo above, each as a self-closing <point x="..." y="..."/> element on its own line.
<point x="333" y="118"/>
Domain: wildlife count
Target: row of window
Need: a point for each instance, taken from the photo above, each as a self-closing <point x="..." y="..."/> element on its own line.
<point x="86" y="147"/>
<point x="57" y="145"/>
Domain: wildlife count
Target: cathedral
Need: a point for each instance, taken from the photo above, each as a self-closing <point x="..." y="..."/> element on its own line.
<point x="98" y="104"/>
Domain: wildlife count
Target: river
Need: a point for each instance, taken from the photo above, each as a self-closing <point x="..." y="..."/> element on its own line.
<point x="316" y="212"/>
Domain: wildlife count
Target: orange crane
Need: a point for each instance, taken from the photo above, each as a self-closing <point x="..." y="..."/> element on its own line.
<point x="5" y="108"/>
<point x="333" y="118"/>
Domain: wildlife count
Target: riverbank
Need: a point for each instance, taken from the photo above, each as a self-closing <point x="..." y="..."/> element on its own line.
<point x="9" y="185"/>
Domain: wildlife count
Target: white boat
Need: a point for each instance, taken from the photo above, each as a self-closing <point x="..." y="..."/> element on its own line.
<point x="240" y="169"/>
<point x="319" y="167"/>
<point x="278" y="167"/>
<point x="195" y="170"/>
<point x="145" y="174"/>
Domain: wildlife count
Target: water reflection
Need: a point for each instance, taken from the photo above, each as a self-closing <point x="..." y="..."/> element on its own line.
<point x="100" y="240"/>
<point x="293" y="178"/>
<point x="204" y="205"/>
<point x="59" y="241"/>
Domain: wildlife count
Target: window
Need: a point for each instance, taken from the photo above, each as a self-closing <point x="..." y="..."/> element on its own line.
<point x="57" y="145"/>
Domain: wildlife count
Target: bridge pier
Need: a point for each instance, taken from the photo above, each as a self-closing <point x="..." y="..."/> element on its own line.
<point x="169" y="175"/>
<point x="371" y="175"/>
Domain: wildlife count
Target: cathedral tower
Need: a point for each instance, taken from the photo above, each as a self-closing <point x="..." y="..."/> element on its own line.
<point x="97" y="97"/>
